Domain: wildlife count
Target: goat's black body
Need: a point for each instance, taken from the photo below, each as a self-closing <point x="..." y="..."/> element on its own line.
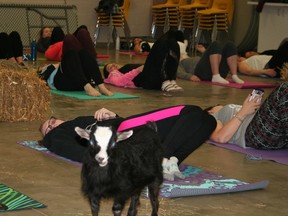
<point x="133" y="164"/>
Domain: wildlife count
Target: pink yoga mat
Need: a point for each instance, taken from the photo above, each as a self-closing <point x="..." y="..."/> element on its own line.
<point x="102" y="56"/>
<point x="246" y="85"/>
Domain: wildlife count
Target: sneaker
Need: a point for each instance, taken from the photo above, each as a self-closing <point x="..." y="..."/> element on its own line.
<point x="176" y="86"/>
<point x="167" y="86"/>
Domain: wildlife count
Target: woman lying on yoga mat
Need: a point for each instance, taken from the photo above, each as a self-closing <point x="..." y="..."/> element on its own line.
<point x="267" y="65"/>
<point x="182" y="130"/>
<point x="11" y="47"/>
<point x="252" y="124"/>
<point x="55" y="49"/>
<point x="158" y="72"/>
<point x="77" y="71"/>
<point x="214" y="65"/>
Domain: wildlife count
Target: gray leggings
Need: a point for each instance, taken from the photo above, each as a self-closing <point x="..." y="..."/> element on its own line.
<point x="269" y="127"/>
<point x="203" y="68"/>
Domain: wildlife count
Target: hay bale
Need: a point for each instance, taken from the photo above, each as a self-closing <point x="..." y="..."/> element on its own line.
<point x="23" y="95"/>
<point x="284" y="72"/>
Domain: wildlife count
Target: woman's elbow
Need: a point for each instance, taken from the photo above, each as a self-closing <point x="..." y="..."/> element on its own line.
<point x="219" y="139"/>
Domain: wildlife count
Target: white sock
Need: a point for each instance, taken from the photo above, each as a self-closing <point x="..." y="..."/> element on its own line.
<point x="219" y="79"/>
<point x="236" y="79"/>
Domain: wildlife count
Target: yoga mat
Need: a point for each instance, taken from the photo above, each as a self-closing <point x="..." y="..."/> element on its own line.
<point x="134" y="54"/>
<point x="83" y="96"/>
<point x="279" y="156"/>
<point x="197" y="181"/>
<point x="246" y="85"/>
<point x="102" y="56"/>
<point x="201" y="182"/>
<point x="11" y="199"/>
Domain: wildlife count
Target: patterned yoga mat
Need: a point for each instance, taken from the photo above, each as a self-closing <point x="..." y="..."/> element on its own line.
<point x="11" y="199"/>
<point x="197" y="181"/>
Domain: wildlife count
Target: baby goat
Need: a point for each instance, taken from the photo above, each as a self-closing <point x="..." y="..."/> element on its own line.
<point x="120" y="165"/>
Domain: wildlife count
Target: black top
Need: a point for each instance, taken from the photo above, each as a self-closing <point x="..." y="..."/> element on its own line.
<point x="64" y="141"/>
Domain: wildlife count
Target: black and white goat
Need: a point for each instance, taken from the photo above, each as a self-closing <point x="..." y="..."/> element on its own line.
<point x="120" y="165"/>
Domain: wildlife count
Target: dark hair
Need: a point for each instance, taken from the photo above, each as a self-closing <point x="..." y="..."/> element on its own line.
<point x="105" y="72"/>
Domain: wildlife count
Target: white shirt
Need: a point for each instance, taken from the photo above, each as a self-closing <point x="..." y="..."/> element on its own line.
<point x="258" y="62"/>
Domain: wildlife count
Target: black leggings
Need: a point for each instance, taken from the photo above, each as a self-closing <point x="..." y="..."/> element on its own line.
<point x="203" y="68"/>
<point x="279" y="58"/>
<point x="11" y="45"/>
<point x="183" y="133"/>
<point x="161" y="64"/>
<point x="78" y="67"/>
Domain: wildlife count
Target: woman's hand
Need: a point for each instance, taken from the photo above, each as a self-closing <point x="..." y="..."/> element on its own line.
<point x="195" y="78"/>
<point x="250" y="106"/>
<point x="104" y="114"/>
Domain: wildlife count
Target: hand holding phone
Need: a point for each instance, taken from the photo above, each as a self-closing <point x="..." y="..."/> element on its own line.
<point x="255" y="92"/>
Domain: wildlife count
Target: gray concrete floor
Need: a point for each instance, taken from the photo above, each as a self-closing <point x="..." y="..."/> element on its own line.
<point x="56" y="183"/>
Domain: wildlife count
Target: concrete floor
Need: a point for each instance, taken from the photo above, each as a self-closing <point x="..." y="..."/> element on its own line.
<point x="56" y="183"/>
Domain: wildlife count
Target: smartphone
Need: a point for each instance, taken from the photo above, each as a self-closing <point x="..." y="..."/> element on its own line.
<point x="255" y="92"/>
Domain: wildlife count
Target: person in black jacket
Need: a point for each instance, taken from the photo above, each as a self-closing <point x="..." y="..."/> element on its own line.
<point x="182" y="129"/>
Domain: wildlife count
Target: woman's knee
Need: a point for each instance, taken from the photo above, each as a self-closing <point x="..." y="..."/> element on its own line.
<point x="229" y="49"/>
<point x="215" y="48"/>
<point x="15" y="35"/>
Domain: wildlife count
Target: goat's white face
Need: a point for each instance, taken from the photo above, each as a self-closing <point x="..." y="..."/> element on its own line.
<point x="102" y="136"/>
<point x="104" y="139"/>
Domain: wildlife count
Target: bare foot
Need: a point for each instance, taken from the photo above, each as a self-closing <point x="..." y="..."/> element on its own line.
<point x="91" y="91"/>
<point x="104" y="90"/>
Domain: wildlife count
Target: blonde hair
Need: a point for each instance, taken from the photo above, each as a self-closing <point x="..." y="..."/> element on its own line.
<point x="284" y="72"/>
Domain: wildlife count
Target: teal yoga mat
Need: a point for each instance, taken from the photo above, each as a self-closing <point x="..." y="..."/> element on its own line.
<point x="83" y="96"/>
<point x="11" y="200"/>
<point x="197" y="181"/>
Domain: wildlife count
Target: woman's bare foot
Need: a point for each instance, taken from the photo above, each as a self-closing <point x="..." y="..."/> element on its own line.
<point x="104" y="90"/>
<point x="91" y="91"/>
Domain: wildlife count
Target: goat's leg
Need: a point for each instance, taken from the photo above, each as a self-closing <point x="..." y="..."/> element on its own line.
<point x="95" y="205"/>
<point x="133" y="204"/>
<point x="118" y="206"/>
<point x="154" y="189"/>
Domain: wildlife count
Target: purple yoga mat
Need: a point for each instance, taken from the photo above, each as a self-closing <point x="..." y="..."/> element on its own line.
<point x="197" y="181"/>
<point x="279" y="156"/>
<point x="246" y="85"/>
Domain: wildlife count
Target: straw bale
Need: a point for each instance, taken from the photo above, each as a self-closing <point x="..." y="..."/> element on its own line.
<point x="284" y="72"/>
<point x="23" y="95"/>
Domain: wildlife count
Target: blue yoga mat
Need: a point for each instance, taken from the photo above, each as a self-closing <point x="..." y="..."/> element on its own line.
<point x="197" y="181"/>
<point x="83" y="96"/>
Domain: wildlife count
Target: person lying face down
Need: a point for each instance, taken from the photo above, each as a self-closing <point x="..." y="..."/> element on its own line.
<point x="182" y="129"/>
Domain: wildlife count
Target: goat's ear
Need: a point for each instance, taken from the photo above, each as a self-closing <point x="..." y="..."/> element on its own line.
<point x="82" y="133"/>
<point x="124" y="135"/>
